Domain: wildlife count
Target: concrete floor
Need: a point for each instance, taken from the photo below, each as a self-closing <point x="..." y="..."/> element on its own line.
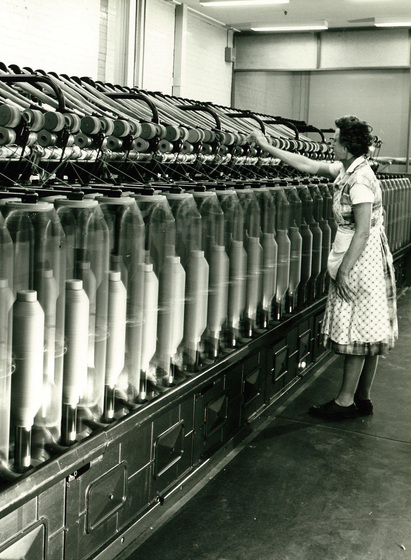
<point x="308" y="489"/>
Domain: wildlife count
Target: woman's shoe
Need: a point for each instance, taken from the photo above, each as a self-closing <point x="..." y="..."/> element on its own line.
<point x="334" y="411"/>
<point x="364" y="406"/>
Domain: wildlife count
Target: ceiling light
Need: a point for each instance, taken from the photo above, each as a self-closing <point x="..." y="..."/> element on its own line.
<point x="392" y="22"/>
<point x="306" y="26"/>
<point x="230" y="3"/>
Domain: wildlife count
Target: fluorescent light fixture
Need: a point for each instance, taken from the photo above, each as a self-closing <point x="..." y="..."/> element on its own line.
<point x="306" y="26"/>
<point x="236" y="3"/>
<point x="392" y="22"/>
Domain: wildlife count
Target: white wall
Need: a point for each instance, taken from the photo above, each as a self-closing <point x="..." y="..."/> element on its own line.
<point x="271" y="93"/>
<point x="92" y="38"/>
<point x="283" y="51"/>
<point x="207" y="75"/>
<point x="366" y="73"/>
<point x="375" y="48"/>
<point x="54" y="35"/>
<point x="378" y="96"/>
<point x="184" y="54"/>
<point x="378" y="48"/>
<point x="159" y="47"/>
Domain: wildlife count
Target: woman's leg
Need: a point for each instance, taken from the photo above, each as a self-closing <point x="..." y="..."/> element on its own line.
<point x="358" y="376"/>
<point x="353" y="367"/>
<point x="367" y="377"/>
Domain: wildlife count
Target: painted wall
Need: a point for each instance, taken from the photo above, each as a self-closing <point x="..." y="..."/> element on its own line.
<point x="199" y="52"/>
<point x="362" y="72"/>
<point x="329" y="50"/>
<point x="272" y="93"/>
<point x="97" y="38"/>
<point x="159" y="47"/>
<point x="283" y="51"/>
<point x="378" y="96"/>
<point x="54" y="35"/>
<point x="207" y="75"/>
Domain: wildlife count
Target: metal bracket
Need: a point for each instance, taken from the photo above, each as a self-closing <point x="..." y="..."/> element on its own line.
<point x="248" y="115"/>
<point x="136" y="95"/>
<point x="198" y="107"/>
<point x="34" y="78"/>
<point x="287" y="123"/>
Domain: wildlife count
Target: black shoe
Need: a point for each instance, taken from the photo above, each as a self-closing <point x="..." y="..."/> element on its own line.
<point x="334" y="411"/>
<point x="364" y="406"/>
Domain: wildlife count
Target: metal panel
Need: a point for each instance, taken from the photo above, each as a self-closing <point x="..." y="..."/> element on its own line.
<point x="317" y="346"/>
<point x="31" y="544"/>
<point x="56" y="547"/>
<point x="233" y="379"/>
<point x="233" y="419"/>
<point x="252" y="362"/>
<point x="18" y="520"/>
<point x="252" y="386"/>
<point x="80" y="545"/>
<point x="254" y="373"/>
<point x="51" y="506"/>
<point x="187" y="459"/>
<point x="215" y="415"/>
<point x="80" y="541"/>
<point x="187" y="413"/>
<point x="168" y="449"/>
<point x="279" y="367"/>
<point x="304" y="351"/>
<point x="136" y="448"/>
<point x="171" y="448"/>
<point x="105" y="496"/>
<point x="137" y="497"/>
<point x="90" y="473"/>
<point x="210" y="416"/>
<point x="163" y="422"/>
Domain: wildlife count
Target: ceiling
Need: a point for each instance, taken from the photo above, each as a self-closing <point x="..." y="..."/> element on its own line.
<point x="339" y="13"/>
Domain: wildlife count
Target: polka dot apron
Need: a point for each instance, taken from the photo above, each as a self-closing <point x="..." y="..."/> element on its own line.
<point x="367" y="325"/>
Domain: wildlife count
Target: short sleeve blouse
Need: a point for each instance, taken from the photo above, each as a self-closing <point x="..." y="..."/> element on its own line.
<point x="361" y="193"/>
<point x="356" y="185"/>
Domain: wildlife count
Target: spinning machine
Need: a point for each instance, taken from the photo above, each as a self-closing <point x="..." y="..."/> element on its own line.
<point x="162" y="282"/>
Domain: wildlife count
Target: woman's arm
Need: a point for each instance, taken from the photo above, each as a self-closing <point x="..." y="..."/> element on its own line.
<point x="362" y="216"/>
<point x="302" y="163"/>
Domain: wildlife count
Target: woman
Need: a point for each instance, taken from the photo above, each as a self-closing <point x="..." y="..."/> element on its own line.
<point x="360" y="319"/>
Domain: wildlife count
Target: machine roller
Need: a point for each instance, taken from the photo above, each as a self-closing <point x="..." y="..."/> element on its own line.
<point x="234" y="243"/>
<point x="27" y="379"/>
<point x="86" y="234"/>
<point x="75" y="370"/>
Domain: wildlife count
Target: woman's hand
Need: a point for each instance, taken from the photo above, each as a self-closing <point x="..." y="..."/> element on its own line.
<point x="344" y="290"/>
<point x="362" y="216"/>
<point x="257" y="137"/>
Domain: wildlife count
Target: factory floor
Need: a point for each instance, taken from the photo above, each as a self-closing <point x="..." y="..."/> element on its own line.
<point x="303" y="488"/>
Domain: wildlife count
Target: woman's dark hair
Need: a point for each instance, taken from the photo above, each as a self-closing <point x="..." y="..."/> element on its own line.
<point x="355" y="135"/>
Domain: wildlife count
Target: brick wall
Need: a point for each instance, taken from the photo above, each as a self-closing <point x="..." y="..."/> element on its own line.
<point x="88" y="38"/>
<point x="55" y="35"/>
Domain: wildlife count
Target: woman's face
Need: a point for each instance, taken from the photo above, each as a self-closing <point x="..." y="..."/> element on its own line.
<point x="340" y="152"/>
